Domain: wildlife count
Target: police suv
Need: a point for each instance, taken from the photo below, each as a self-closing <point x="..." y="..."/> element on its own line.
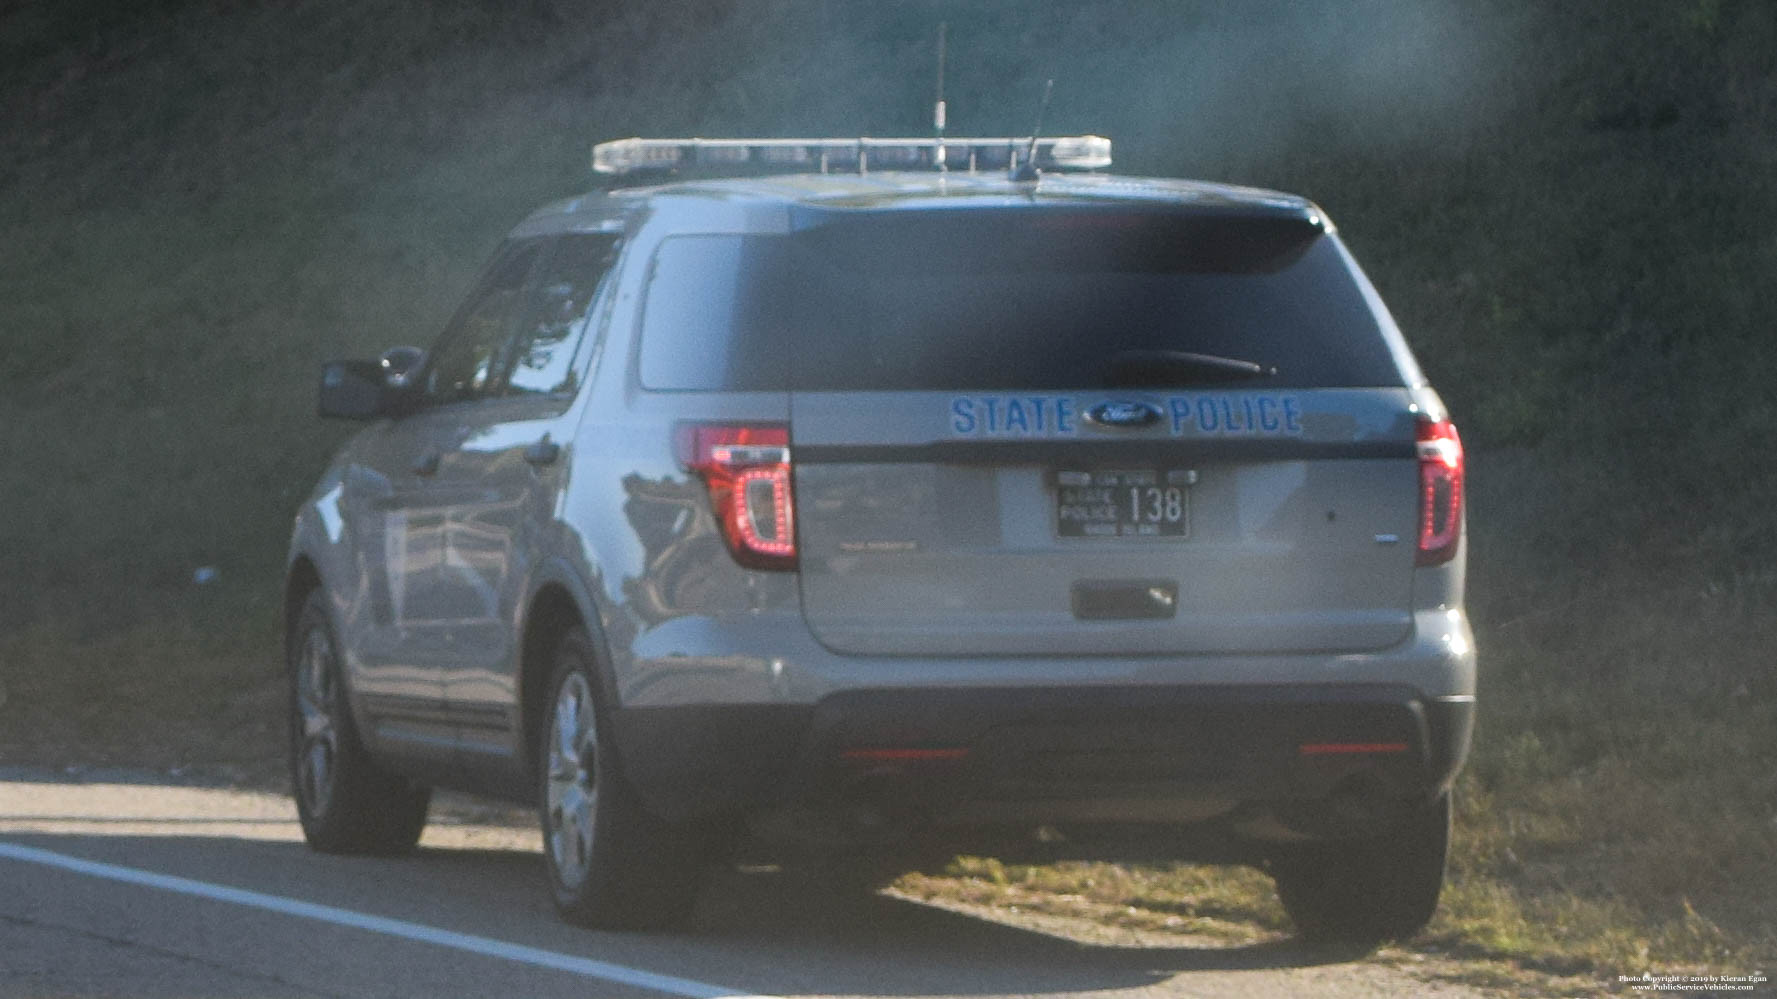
<point x="894" y="495"/>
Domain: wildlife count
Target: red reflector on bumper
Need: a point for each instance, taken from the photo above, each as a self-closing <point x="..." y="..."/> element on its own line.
<point x="902" y="755"/>
<point x="1327" y="748"/>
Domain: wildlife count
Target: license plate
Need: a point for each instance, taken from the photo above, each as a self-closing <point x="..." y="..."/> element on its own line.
<point x="1123" y="503"/>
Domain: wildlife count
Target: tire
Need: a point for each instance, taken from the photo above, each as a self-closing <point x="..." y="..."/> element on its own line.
<point x="1364" y="892"/>
<point x="610" y="863"/>
<point x="345" y="803"/>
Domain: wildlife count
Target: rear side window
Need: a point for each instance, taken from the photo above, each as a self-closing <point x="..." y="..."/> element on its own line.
<point x="709" y="315"/>
<point x="1009" y="300"/>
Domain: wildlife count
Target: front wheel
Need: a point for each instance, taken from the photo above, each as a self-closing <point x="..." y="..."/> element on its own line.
<point x="611" y="864"/>
<point x="345" y="803"/>
<point x="1367" y="891"/>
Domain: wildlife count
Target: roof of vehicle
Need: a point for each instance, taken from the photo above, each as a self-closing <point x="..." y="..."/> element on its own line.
<point x="931" y="190"/>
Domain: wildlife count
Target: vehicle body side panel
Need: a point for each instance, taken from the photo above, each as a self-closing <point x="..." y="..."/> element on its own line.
<point x="340" y="529"/>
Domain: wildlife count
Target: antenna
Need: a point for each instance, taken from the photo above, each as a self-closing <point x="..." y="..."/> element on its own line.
<point x="938" y="104"/>
<point x="1027" y="171"/>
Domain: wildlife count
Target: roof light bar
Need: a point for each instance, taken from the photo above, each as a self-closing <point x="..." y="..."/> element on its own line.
<point x="860" y="155"/>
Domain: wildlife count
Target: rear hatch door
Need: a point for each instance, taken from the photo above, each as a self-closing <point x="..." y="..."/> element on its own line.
<point x="1089" y="430"/>
<point x="1289" y="533"/>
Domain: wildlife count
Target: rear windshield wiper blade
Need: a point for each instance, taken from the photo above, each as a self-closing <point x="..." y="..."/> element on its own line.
<point x="1161" y="368"/>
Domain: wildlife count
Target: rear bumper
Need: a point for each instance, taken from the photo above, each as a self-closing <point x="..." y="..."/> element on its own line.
<point x="1269" y="761"/>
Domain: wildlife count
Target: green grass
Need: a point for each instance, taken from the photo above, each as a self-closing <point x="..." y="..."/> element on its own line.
<point x="1231" y="905"/>
<point x="1565" y="205"/>
<point x="176" y="697"/>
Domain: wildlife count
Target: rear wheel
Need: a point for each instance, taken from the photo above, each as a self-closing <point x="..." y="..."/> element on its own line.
<point x="345" y="803"/>
<point x="611" y="864"/>
<point x="1367" y="891"/>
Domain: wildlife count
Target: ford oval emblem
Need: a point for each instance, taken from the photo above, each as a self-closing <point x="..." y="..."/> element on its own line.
<point x="1123" y="414"/>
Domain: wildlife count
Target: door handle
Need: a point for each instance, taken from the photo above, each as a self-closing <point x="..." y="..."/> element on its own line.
<point x="427" y="464"/>
<point x="542" y="453"/>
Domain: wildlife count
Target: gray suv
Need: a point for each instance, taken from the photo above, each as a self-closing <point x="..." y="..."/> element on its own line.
<point x="902" y="498"/>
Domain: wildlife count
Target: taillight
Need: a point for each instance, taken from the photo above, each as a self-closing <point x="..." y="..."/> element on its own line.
<point x="747" y="470"/>
<point x="1440" y="491"/>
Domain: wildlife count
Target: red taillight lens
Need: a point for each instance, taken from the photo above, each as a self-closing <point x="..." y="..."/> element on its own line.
<point x="747" y="470"/>
<point x="1440" y="492"/>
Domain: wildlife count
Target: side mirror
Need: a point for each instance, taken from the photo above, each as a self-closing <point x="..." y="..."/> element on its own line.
<point x="351" y="390"/>
<point x="365" y="390"/>
<point x="401" y="363"/>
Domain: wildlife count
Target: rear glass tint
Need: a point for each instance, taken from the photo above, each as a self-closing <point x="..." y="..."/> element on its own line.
<point x="1007" y="301"/>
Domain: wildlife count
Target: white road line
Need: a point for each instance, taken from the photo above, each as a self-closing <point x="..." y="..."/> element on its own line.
<point x="485" y="946"/>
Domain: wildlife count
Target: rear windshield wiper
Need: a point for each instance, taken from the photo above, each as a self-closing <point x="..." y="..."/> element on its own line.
<point x="1161" y="368"/>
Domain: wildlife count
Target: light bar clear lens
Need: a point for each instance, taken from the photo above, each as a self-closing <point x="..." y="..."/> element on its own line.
<point x="796" y="155"/>
<point x="1071" y="152"/>
<point x="626" y="155"/>
<point x="1079" y="152"/>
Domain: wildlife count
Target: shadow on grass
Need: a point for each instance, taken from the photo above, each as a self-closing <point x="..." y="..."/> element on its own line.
<point x="767" y="909"/>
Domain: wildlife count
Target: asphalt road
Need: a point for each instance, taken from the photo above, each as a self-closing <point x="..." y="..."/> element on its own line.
<point x="137" y="888"/>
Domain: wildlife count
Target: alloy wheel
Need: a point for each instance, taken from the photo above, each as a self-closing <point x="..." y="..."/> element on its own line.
<point x="316" y="729"/>
<point x="572" y="782"/>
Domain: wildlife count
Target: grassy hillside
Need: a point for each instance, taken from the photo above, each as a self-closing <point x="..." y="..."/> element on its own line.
<point x="1566" y="205"/>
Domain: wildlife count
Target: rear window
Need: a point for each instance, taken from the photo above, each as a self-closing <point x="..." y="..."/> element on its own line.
<point x="1007" y="301"/>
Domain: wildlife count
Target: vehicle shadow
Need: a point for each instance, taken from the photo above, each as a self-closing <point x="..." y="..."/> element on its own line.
<point x="790" y="932"/>
<point x="769" y="932"/>
<point x="943" y="951"/>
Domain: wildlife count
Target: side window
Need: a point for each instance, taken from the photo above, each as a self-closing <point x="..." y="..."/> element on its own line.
<point x="713" y="316"/>
<point x="466" y="363"/>
<point x="557" y="318"/>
